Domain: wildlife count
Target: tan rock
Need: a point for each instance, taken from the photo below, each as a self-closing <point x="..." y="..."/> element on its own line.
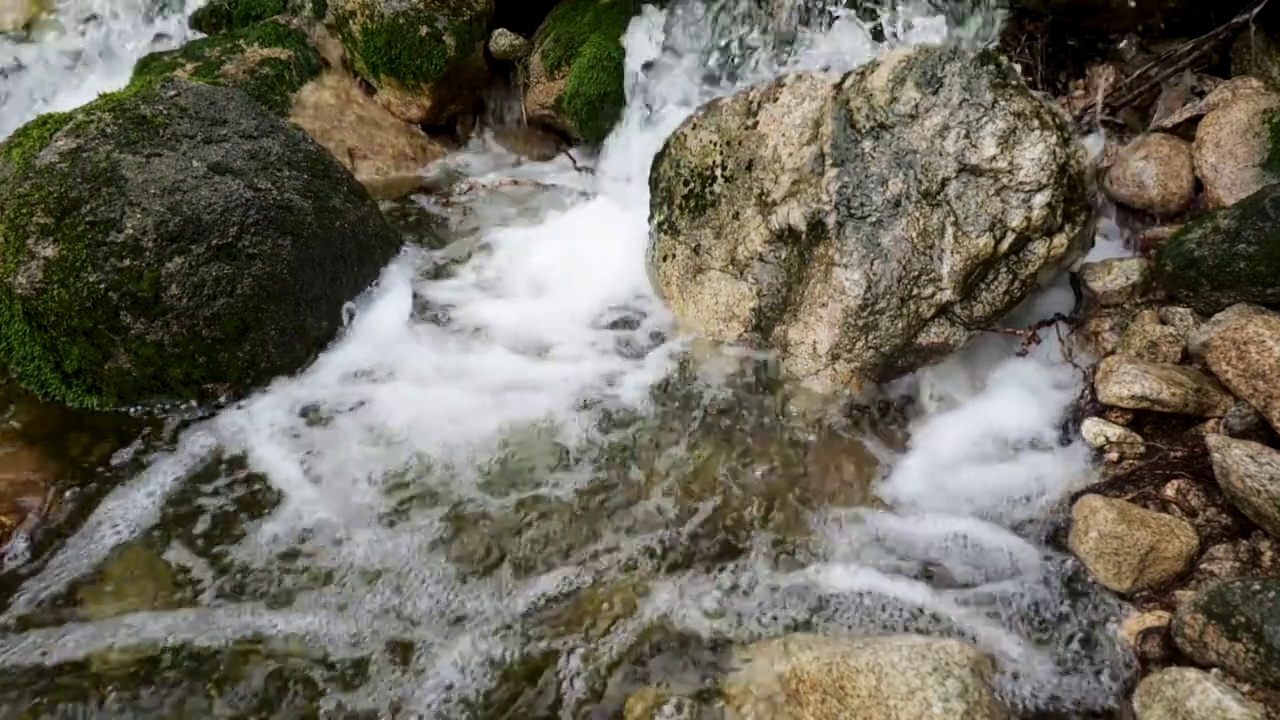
<point x="16" y="14"/>
<point x="812" y="677"/>
<point x="1222" y="95"/>
<point x="1241" y="345"/>
<point x="1108" y="436"/>
<point x="1231" y="146"/>
<point x="1128" y="548"/>
<point x="1147" y="634"/>
<point x="1249" y="475"/>
<point x="384" y="153"/>
<point x="507" y="45"/>
<point x="1118" y="280"/>
<point x="1162" y="387"/>
<point x="1183" y="693"/>
<point x="1154" y="173"/>
<point x="1153" y="342"/>
<point x="1184" y="319"/>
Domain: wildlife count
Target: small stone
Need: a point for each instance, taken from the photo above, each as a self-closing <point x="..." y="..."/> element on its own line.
<point x="1128" y="548"/>
<point x="1117" y="281"/>
<point x="1234" y="625"/>
<point x="507" y="45"/>
<point x="808" y="677"/>
<point x="1249" y="475"/>
<point x="1119" y="416"/>
<point x="1153" y="343"/>
<point x="1183" y="693"/>
<point x="1110" y="437"/>
<point x="1184" y="319"/>
<point x="1244" y="422"/>
<point x="1154" y="173"/>
<point x="1231" y="147"/>
<point x="1161" y="387"/>
<point x="1147" y="634"/>
<point x="1241" y="345"/>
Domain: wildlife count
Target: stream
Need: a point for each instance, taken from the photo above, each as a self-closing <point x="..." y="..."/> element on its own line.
<point x="511" y="488"/>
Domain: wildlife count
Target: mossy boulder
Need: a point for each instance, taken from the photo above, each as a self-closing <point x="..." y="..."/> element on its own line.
<point x="1234" y="625"/>
<point x="270" y="61"/>
<point x="425" y="58"/>
<point x="220" y="16"/>
<point x="575" y="74"/>
<point x="1229" y="256"/>
<point x="174" y="241"/>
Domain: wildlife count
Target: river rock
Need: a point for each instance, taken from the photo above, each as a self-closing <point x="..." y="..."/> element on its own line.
<point x="1163" y="387"/>
<point x="175" y="241"/>
<point x="1117" y="281"/>
<point x="1241" y="345"/>
<point x="791" y="216"/>
<point x="1244" y="422"/>
<point x="424" y="57"/>
<point x="575" y="71"/>
<point x="1249" y="475"/>
<point x="1231" y="148"/>
<point x="1234" y="625"/>
<point x="1226" y="257"/>
<point x="219" y="16"/>
<point x="1105" y="435"/>
<point x="1183" y="693"/>
<point x="1128" y="548"/>
<point x="282" y="66"/>
<point x="1152" y="342"/>
<point x="17" y="14"/>
<point x="1154" y="173"/>
<point x="1186" y="320"/>
<point x="506" y="45"/>
<point x="811" y="677"/>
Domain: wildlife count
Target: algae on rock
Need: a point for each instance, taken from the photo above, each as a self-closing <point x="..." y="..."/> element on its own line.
<point x="174" y="241"/>
<point x="424" y="57"/>
<point x="576" y="70"/>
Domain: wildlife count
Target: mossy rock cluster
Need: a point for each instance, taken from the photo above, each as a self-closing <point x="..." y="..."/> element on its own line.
<point x="174" y="241"/>
<point x="270" y="61"/>
<point x="576" y="71"/>
<point x="425" y="58"/>
<point x="1226" y="257"/>
<point x="221" y="16"/>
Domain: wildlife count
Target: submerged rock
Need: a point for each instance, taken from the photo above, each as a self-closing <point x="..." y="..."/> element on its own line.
<point x="1129" y="548"/>
<point x="1241" y="345"/>
<point x="1154" y="173"/>
<point x="792" y="216"/>
<point x="424" y="57"/>
<point x="575" y="72"/>
<point x="1234" y="625"/>
<point x="1183" y="693"/>
<point x="1249" y="475"/>
<point x="812" y="677"/>
<point x="175" y="241"/>
<point x="1226" y="257"/>
<point x="1162" y="387"/>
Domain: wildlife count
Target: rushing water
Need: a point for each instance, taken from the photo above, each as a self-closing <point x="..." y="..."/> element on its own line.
<point x="505" y="486"/>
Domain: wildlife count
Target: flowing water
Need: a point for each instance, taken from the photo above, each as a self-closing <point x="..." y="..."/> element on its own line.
<point x="510" y="489"/>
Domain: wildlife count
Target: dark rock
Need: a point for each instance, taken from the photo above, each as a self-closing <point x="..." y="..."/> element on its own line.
<point x="175" y="241"/>
<point x="1234" y="625"/>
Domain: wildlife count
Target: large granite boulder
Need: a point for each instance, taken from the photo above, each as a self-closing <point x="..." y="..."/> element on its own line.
<point x="174" y="241"/>
<point x="865" y="224"/>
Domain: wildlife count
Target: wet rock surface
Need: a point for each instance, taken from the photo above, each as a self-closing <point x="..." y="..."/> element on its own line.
<point x="1154" y="173"/>
<point x="1127" y="548"/>
<point x="1163" y="387"/>
<point x="1234" y="625"/>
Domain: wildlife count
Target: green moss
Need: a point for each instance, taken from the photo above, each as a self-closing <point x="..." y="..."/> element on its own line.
<point x="223" y="15"/>
<point x="409" y="46"/>
<point x="270" y="80"/>
<point x="45" y="347"/>
<point x="585" y="37"/>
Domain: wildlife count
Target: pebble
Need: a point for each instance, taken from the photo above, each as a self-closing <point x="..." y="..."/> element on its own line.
<point x="1128" y="548"/>
<point x="1162" y="387"/>
<point x="1155" y="173"/>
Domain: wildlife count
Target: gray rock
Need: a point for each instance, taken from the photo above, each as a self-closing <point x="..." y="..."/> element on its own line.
<point x="1241" y="345"/>
<point x="1249" y="474"/>
<point x="1244" y="422"/>
<point x="1129" y="548"/>
<point x="175" y="241"/>
<point x="1225" y="257"/>
<point x="792" y="216"/>
<point x="811" y="677"/>
<point x="1163" y="387"/>
<point x="506" y="45"/>
<point x="1117" y="281"/>
<point x="1183" y="693"/>
<point x="1234" y="625"/>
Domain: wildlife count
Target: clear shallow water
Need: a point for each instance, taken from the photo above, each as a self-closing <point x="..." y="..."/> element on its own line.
<point x="503" y="485"/>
